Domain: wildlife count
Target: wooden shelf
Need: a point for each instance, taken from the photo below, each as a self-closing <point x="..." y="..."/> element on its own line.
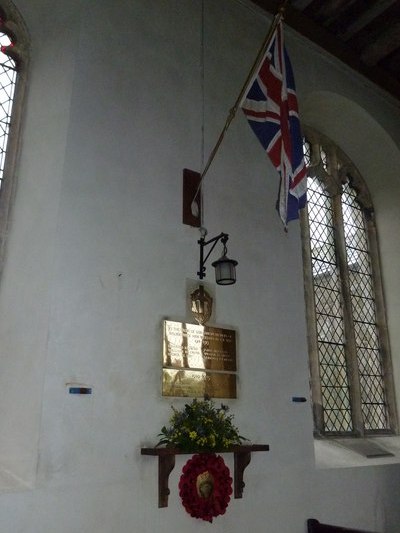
<point x="166" y="463"/>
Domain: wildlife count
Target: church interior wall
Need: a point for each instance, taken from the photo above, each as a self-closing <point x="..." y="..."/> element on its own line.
<point x="97" y="257"/>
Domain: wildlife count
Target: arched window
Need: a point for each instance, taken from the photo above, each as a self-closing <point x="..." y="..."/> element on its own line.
<point x="13" y="68"/>
<point x="350" y="364"/>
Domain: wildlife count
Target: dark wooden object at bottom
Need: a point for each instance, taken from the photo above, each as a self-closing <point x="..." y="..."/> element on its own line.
<point x="313" y="526"/>
<point x="166" y="463"/>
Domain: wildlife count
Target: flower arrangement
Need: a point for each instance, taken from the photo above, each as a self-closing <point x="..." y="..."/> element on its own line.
<point x="201" y="426"/>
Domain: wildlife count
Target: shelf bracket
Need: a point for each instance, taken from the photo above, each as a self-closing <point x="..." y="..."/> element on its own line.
<point x="166" y="463"/>
<point x="241" y="461"/>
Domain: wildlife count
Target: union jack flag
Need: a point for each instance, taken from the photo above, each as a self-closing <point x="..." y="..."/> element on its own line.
<point x="270" y="105"/>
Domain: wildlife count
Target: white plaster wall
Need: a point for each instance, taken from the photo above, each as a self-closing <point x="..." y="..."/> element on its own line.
<point x="97" y="257"/>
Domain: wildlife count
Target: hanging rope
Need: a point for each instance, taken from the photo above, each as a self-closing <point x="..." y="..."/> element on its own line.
<point x="202" y="111"/>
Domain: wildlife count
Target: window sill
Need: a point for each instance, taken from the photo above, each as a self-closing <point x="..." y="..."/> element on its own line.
<point x="341" y="453"/>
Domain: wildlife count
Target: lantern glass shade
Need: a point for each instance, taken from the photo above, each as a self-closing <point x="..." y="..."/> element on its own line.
<point x="225" y="271"/>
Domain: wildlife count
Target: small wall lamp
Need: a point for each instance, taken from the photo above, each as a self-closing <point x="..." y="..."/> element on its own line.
<point x="225" y="272"/>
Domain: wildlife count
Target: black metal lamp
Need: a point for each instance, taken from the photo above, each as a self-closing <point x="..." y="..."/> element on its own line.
<point x="225" y="272"/>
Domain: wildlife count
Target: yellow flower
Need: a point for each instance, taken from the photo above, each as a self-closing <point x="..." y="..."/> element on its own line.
<point x="193" y="435"/>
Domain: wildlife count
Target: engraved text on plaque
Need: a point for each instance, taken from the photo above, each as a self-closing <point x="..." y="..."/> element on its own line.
<point x="198" y="360"/>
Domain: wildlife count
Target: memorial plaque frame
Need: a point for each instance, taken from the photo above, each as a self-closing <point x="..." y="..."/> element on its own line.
<point x="198" y="360"/>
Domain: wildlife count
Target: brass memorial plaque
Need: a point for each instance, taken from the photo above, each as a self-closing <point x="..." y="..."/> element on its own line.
<point x="198" y="383"/>
<point x="201" y="347"/>
<point x="198" y="360"/>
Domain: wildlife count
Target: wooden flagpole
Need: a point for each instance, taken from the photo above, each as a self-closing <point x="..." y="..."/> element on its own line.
<point x="232" y="112"/>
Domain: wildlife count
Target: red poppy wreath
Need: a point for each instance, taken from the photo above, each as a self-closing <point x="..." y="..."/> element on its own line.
<point x="205" y="486"/>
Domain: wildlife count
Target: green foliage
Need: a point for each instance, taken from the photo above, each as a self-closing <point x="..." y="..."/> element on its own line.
<point x="201" y="426"/>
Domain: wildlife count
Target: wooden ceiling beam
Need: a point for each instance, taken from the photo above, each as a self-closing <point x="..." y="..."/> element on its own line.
<point x="301" y="4"/>
<point x="382" y="46"/>
<point x="365" y="18"/>
<point x="326" y="40"/>
<point x="330" y="10"/>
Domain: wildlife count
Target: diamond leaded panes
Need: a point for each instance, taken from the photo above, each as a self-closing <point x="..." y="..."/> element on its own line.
<point x="328" y="311"/>
<point x="349" y="378"/>
<point x="373" y="401"/>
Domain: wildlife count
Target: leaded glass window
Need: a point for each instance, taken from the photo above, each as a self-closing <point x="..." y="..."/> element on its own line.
<point x="8" y="76"/>
<point x="350" y="364"/>
<point x="14" y="55"/>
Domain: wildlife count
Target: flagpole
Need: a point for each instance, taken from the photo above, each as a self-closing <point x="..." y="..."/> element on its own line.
<point x="232" y="112"/>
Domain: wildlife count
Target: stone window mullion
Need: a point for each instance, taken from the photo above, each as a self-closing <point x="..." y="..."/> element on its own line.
<point x="315" y="378"/>
<point x="381" y="321"/>
<point x="350" y="342"/>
